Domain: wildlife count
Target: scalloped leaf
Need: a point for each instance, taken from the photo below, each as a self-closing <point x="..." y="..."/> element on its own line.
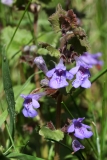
<point x="79" y="45"/>
<point x="56" y="135"/>
<point x="84" y="42"/>
<point x="54" y="18"/>
<point x="52" y="51"/>
<point x="82" y="37"/>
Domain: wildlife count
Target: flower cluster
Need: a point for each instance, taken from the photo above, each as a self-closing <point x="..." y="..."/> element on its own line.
<point x="57" y="77"/>
<point x="80" y="131"/>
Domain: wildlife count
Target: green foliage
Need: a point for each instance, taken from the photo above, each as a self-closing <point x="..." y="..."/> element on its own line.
<point x="8" y="91"/>
<point x="21" y="38"/>
<point x="51" y="50"/>
<point x="54" y="19"/>
<point x="56" y="135"/>
<point x="3" y="117"/>
<point x="22" y="156"/>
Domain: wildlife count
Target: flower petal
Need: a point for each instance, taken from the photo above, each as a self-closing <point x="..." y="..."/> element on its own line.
<point x="58" y="82"/>
<point x="86" y="126"/>
<point x="50" y="73"/>
<point x="86" y="83"/>
<point x="80" y="119"/>
<point x="23" y="96"/>
<point x="82" y="133"/>
<point x="76" y="83"/>
<point x="27" y="102"/>
<point x="69" y="75"/>
<point x="61" y="66"/>
<point x="70" y="128"/>
<point x="29" y="112"/>
<point x="74" y="70"/>
<point x="79" y="133"/>
<point x="35" y="103"/>
<point x="38" y="95"/>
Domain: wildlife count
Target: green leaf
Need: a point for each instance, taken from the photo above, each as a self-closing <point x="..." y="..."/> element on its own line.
<point x="22" y="156"/>
<point x="56" y="135"/>
<point x="19" y="39"/>
<point x="8" y="91"/>
<point x="82" y="37"/>
<point x="49" y="37"/>
<point x="68" y="88"/>
<point x="52" y="51"/>
<point x="78" y="47"/>
<point x="3" y="117"/>
<point x="54" y="18"/>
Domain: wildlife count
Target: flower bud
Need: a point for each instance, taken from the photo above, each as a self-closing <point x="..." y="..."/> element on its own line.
<point x="44" y="82"/>
<point x="39" y="61"/>
<point x="33" y="48"/>
<point x="76" y="145"/>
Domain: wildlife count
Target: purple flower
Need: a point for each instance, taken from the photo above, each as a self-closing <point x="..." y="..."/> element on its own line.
<point x="58" y="76"/>
<point x="82" y="74"/>
<point x="7" y="2"/>
<point x="39" y="61"/>
<point x="76" y="145"/>
<point x="92" y="59"/>
<point x="79" y="129"/>
<point x="82" y="78"/>
<point x="31" y="102"/>
<point x="81" y="62"/>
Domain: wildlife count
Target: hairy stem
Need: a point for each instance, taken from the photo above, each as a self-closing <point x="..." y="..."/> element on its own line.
<point x="58" y="124"/>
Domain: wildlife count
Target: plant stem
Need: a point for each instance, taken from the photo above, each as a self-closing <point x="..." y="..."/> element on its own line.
<point x="67" y="109"/>
<point x="58" y="124"/>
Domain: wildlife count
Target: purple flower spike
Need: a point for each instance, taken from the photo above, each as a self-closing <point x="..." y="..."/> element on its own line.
<point x="31" y="102"/>
<point x="39" y="61"/>
<point x="7" y="2"/>
<point x="58" y="76"/>
<point x="79" y="129"/>
<point x="76" y="145"/>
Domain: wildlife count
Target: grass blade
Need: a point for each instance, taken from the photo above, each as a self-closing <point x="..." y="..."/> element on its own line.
<point x="18" y="24"/>
<point x="3" y="117"/>
<point x="8" y="91"/>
